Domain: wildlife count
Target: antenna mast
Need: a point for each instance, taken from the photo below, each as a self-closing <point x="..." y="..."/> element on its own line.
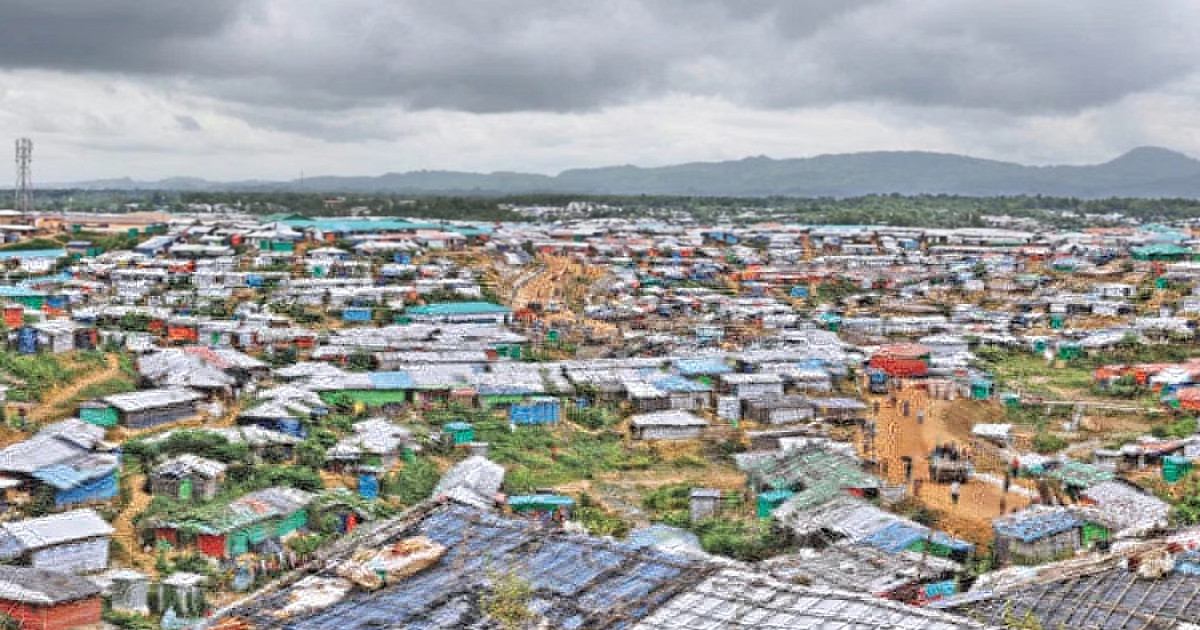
<point x="24" y="187"/>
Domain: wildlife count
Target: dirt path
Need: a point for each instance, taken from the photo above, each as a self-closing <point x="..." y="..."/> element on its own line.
<point x="125" y="532"/>
<point x="59" y="394"/>
<point x="897" y="436"/>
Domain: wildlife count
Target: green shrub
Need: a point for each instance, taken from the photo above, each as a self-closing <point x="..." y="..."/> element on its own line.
<point x="740" y="540"/>
<point x="415" y="482"/>
<point x="1183" y="428"/>
<point x="1047" y="443"/>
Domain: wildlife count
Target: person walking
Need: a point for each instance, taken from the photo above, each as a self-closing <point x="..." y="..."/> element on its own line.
<point x="954" y="490"/>
<point x="1007" y="481"/>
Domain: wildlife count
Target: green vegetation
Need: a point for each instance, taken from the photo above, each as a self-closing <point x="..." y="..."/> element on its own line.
<point x="1047" y="443"/>
<point x="1182" y="428"/>
<point x="240" y="480"/>
<point x="31" y="245"/>
<point x="413" y="483"/>
<point x="741" y="540"/>
<point x="128" y="621"/>
<point x="33" y="375"/>
<point x="889" y="209"/>
<point x="507" y="601"/>
<point x="202" y="443"/>
<point x="735" y="536"/>
<point x="593" y="418"/>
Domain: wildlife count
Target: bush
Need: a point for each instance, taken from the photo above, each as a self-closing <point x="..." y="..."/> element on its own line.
<point x="200" y="443"/>
<point x="600" y="523"/>
<point x="129" y="621"/>
<point x="666" y="498"/>
<point x="1047" y="443"/>
<point x="1179" y="429"/>
<point x="415" y="482"/>
<point x="310" y="454"/>
<point x="740" y="540"/>
<point x="594" y="418"/>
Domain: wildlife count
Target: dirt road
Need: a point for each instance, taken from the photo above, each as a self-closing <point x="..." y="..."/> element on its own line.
<point x="59" y="395"/>
<point x="897" y="436"/>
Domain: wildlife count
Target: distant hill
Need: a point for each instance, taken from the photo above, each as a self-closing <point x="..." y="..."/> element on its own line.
<point x="1142" y="172"/>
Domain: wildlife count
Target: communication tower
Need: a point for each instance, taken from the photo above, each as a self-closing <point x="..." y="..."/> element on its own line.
<point x="24" y="187"/>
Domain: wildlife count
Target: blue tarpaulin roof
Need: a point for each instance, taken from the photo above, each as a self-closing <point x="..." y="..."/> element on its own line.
<point x="1031" y="527"/>
<point x="74" y="474"/>
<point x="522" y="500"/>
<point x="381" y="225"/>
<point x="33" y="253"/>
<point x="901" y="535"/>
<point x="690" y="367"/>
<point x="680" y="384"/>
<point x="11" y="291"/>
<point x="391" y="380"/>
<point x="457" y="308"/>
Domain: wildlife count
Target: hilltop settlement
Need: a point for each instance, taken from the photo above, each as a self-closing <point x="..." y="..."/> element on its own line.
<point x="246" y="422"/>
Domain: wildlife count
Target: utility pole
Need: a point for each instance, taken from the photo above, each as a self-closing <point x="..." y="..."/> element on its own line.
<point x="24" y="187"/>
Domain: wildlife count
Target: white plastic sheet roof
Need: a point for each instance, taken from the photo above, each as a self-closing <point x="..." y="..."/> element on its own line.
<point x="734" y="599"/>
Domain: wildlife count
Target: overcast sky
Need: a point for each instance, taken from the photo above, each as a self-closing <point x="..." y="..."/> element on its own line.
<point x="241" y="89"/>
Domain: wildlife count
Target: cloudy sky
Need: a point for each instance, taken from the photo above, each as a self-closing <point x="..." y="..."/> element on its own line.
<point x="240" y="89"/>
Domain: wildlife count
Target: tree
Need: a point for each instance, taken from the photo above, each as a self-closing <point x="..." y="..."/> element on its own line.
<point x="415" y="482"/>
<point x="362" y="361"/>
<point x="310" y="454"/>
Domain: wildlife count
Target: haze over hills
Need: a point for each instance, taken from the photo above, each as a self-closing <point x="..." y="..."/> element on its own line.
<point x="1142" y="172"/>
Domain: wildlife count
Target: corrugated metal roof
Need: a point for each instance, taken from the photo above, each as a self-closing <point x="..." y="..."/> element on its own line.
<point x="47" y="531"/>
<point x="577" y="581"/>
<point x="672" y="418"/>
<point x="43" y="588"/>
<point x="736" y="598"/>
<point x="149" y="399"/>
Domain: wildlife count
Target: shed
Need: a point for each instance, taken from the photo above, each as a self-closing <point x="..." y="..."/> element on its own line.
<point x="703" y="503"/>
<point x="536" y="410"/>
<point x="74" y="542"/>
<point x="245" y="523"/>
<point x="1127" y="507"/>
<point x="902" y="359"/>
<point x="475" y="481"/>
<point x="1037" y="535"/>
<point x="668" y="425"/>
<point x="83" y="479"/>
<point x="188" y="477"/>
<point x="48" y="600"/>
<point x="460" y="432"/>
<point x="149" y="408"/>
<point x="128" y="590"/>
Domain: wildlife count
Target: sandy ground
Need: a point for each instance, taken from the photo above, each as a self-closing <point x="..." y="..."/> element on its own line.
<point x="981" y="498"/>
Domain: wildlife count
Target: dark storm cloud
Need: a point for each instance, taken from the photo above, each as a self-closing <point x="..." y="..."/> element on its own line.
<point x="1018" y="56"/>
<point x="106" y="35"/>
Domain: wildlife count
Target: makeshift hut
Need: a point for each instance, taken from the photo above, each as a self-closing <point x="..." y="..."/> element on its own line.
<point x="49" y="600"/>
<point x="667" y="425"/>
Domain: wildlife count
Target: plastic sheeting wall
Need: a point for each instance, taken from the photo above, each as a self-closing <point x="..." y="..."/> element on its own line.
<point x="99" y="489"/>
<point x="83" y="557"/>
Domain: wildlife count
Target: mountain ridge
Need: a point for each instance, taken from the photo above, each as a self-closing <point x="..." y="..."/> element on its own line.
<point x="1140" y="172"/>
